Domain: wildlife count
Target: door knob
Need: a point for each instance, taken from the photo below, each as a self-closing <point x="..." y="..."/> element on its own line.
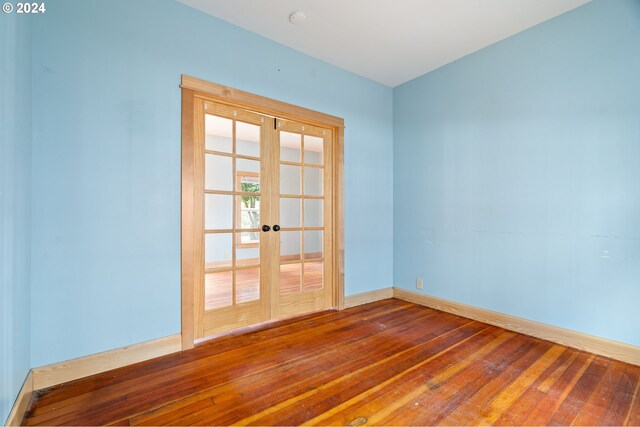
<point x="276" y="227"/>
<point x="266" y="228"/>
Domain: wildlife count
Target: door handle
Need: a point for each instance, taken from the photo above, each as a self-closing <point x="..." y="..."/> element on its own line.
<point x="276" y="227"/>
<point x="266" y="228"/>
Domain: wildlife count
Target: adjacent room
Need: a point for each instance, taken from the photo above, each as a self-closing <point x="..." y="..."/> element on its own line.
<point x="288" y="212"/>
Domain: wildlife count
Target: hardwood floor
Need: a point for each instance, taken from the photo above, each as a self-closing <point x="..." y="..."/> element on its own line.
<point x="389" y="362"/>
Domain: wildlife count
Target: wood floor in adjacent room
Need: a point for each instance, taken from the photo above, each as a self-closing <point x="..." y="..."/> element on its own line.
<point x="390" y="362"/>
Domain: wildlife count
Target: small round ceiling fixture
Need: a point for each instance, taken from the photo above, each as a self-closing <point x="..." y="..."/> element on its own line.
<point x="297" y="17"/>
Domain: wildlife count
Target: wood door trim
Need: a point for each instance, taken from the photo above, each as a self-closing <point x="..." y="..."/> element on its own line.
<point x="194" y="91"/>
<point x="260" y="104"/>
<point x="187" y="257"/>
<point x="338" y="217"/>
<point x="197" y="262"/>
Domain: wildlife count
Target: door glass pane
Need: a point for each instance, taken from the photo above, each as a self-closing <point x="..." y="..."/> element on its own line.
<point x="312" y="181"/>
<point x="218" y="173"/>
<point x="313" y="244"/>
<point x="217" y="250"/>
<point x="218" y="133"/>
<point x="290" y="179"/>
<point x="247" y="285"/>
<point x="247" y="139"/>
<point x="313" y="212"/>
<point x="290" y="147"/>
<point x="313" y="150"/>
<point x="290" y="278"/>
<point x="248" y="212"/>
<point x="313" y="272"/>
<point x="218" y="212"/>
<point x="247" y="254"/>
<point x="247" y="176"/>
<point x="218" y="290"/>
<point x="290" y="213"/>
<point x="249" y="238"/>
<point x="290" y="247"/>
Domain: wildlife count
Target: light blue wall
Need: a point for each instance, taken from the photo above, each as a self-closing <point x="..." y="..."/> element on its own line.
<point x="15" y="187"/>
<point x="106" y="162"/>
<point x="513" y="176"/>
<point x="517" y="174"/>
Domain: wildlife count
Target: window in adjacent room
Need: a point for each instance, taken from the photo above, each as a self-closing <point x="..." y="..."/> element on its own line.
<point x="248" y="209"/>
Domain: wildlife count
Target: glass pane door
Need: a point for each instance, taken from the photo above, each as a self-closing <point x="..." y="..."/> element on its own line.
<point x="234" y="209"/>
<point x="303" y="202"/>
<point x="264" y="200"/>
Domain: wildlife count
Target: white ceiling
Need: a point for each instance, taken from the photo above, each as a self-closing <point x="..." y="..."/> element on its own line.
<point x="388" y="41"/>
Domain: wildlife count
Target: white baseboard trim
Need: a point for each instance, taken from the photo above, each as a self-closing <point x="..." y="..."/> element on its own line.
<point x="367" y="297"/>
<point x="21" y="404"/>
<point x="62" y="372"/>
<point x="578" y="340"/>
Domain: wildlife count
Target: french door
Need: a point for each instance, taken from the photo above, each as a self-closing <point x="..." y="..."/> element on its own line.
<point x="301" y="195"/>
<point x="263" y="217"/>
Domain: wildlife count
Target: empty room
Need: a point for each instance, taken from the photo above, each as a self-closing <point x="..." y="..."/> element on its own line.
<point x="320" y="212"/>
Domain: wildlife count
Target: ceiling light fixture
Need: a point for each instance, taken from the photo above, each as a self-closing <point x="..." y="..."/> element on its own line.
<point x="297" y="17"/>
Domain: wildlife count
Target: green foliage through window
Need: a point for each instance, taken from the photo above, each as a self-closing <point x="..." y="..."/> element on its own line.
<point x="249" y="187"/>
<point x="250" y="216"/>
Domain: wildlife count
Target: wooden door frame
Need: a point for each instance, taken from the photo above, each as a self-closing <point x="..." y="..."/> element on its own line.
<point x="193" y="88"/>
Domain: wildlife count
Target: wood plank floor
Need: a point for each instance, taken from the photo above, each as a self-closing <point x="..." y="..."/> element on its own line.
<point x="385" y="363"/>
